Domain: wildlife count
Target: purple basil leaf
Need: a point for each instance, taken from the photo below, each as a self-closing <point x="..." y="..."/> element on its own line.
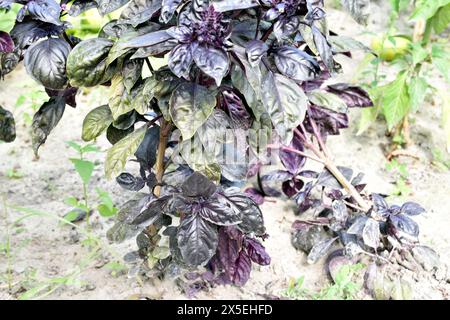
<point x="146" y="152"/>
<point x="357" y="226"/>
<point x="403" y="226"/>
<point x="255" y="195"/>
<point x="412" y="209"/>
<point x="277" y="175"/>
<point x="379" y="204"/>
<point x="220" y="212"/>
<point x="329" y="122"/>
<point x="180" y="60"/>
<point x="235" y="108"/>
<point x="130" y="182"/>
<point x="296" y="64"/>
<point x="243" y="269"/>
<point x="43" y="10"/>
<point x="371" y="233"/>
<point x="7" y="126"/>
<point x="309" y="174"/>
<point x="6" y="43"/>
<point x="28" y="31"/>
<point x="68" y="94"/>
<point x="324" y="48"/>
<point x="168" y="9"/>
<point x="256" y="50"/>
<point x="228" y="251"/>
<point x="319" y="250"/>
<point x="293" y="161"/>
<point x="257" y="252"/>
<point x="197" y="240"/>
<point x="197" y="185"/>
<point x="292" y="187"/>
<point x="354" y="96"/>
<point x="45" y="120"/>
<point x="46" y="61"/>
<point x="212" y="61"/>
<point x="252" y="218"/>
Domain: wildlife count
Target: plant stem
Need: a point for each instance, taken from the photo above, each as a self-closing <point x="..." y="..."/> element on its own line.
<point x="301" y="153"/>
<point x="347" y="185"/>
<point x="164" y="132"/>
<point x="86" y="203"/>
<point x="325" y="158"/>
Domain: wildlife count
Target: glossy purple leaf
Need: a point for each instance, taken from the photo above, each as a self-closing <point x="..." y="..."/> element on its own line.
<point x="292" y="161"/>
<point x="257" y="252"/>
<point x="68" y="94"/>
<point x="235" y="108"/>
<point x="353" y="96"/>
<point x="6" y="43"/>
<point x="379" y="204"/>
<point x="292" y="187"/>
<point x="329" y="122"/>
<point x="228" y="251"/>
<point x="412" y="209"/>
<point x="255" y="195"/>
<point x="243" y="269"/>
<point x="403" y="227"/>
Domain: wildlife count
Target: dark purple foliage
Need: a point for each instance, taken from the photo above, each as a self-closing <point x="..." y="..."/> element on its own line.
<point x="354" y="97"/>
<point x="6" y="43"/>
<point x="328" y="121"/>
<point x="292" y="161"/>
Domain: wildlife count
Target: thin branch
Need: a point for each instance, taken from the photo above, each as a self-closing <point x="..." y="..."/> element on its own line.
<point x="317" y="134"/>
<point x="301" y="153"/>
<point x="166" y="127"/>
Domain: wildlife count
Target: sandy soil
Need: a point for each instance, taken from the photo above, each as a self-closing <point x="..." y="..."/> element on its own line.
<point x="51" y="250"/>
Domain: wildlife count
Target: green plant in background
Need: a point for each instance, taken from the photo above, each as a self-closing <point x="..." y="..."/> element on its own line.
<point x="85" y="168"/>
<point x="88" y="24"/>
<point x="35" y="285"/>
<point x="439" y="160"/>
<point x="30" y="102"/>
<point x="401" y="184"/>
<point x="412" y="57"/>
<point x="344" y="287"/>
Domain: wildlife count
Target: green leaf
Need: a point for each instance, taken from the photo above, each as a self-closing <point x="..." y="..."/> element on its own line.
<point x="190" y="106"/>
<point x="441" y="19"/>
<point x="105" y="198"/>
<point x="96" y="121"/>
<point x="71" y="201"/>
<point x="105" y="211"/>
<point x="118" y="154"/>
<point x="90" y="148"/>
<point x="441" y="60"/>
<point x="75" y="146"/>
<point x="368" y="116"/>
<point x="119" y="99"/>
<point x="426" y="9"/>
<point x="419" y="54"/>
<point x="84" y="169"/>
<point x="395" y="100"/>
<point x="417" y="90"/>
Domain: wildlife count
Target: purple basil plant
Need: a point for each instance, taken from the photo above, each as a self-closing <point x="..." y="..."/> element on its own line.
<point x="255" y="71"/>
